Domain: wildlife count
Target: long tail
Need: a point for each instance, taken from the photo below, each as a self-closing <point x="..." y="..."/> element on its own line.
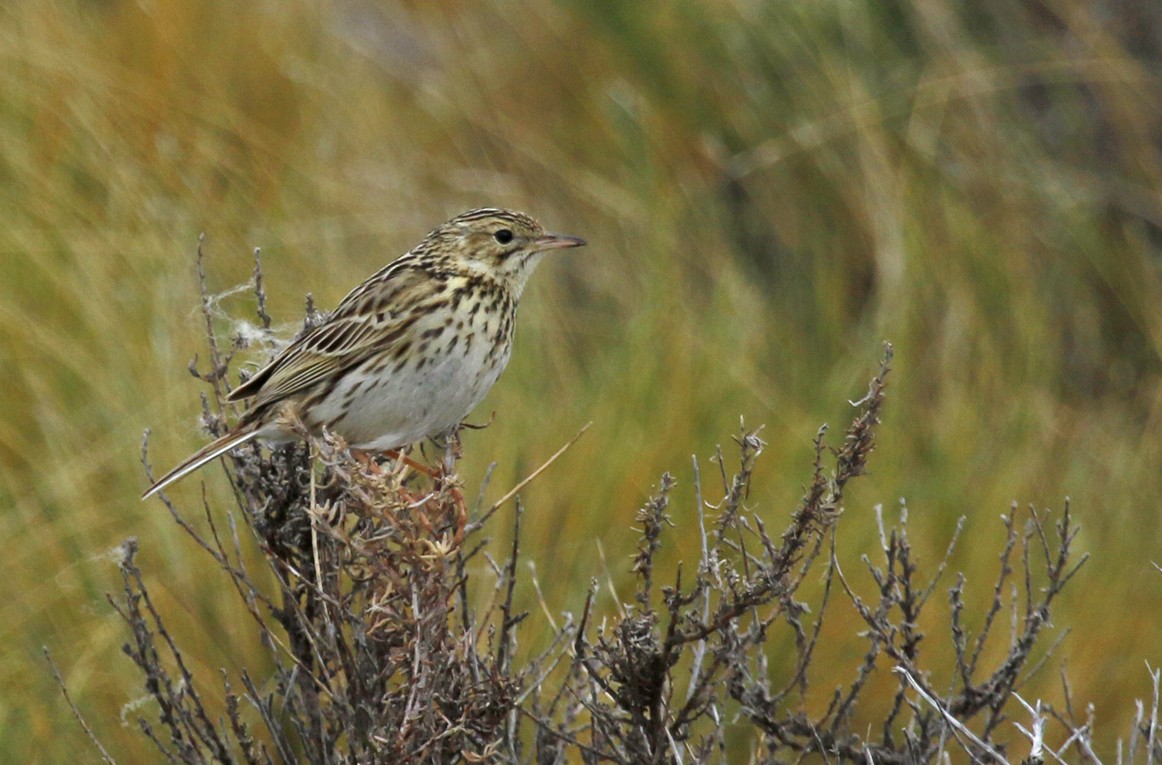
<point x="207" y="453"/>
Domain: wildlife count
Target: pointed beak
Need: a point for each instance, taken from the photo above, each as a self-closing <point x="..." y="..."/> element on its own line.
<point x="556" y="242"/>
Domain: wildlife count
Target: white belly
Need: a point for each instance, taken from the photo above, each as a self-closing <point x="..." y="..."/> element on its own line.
<point x="382" y="406"/>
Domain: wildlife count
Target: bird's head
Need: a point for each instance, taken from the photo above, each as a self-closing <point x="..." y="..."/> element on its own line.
<point x="502" y="244"/>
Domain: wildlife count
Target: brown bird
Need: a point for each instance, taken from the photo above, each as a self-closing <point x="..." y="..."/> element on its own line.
<point x="408" y="353"/>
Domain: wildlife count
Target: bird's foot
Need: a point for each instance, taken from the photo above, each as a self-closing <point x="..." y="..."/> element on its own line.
<point x="442" y="478"/>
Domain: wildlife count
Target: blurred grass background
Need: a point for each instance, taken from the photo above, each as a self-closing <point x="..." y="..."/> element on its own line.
<point x="768" y="189"/>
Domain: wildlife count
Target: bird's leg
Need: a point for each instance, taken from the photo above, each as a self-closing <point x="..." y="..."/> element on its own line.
<point x="369" y="463"/>
<point x="366" y="461"/>
<point x="439" y="475"/>
<point x="419" y="467"/>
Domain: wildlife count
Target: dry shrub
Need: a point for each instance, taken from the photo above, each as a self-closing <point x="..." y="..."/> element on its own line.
<point x="381" y="655"/>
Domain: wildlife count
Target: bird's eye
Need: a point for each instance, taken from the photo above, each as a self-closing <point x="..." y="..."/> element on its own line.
<point x="504" y="236"/>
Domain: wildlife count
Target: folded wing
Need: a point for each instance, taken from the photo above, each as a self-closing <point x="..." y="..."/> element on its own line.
<point x="360" y="327"/>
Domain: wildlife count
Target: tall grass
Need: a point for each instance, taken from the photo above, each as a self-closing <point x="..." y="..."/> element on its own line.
<point x="769" y="189"/>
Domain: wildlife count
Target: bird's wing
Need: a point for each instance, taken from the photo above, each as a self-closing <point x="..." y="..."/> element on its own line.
<point x="367" y="321"/>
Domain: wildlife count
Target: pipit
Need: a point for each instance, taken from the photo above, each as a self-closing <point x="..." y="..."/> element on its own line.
<point x="408" y="353"/>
